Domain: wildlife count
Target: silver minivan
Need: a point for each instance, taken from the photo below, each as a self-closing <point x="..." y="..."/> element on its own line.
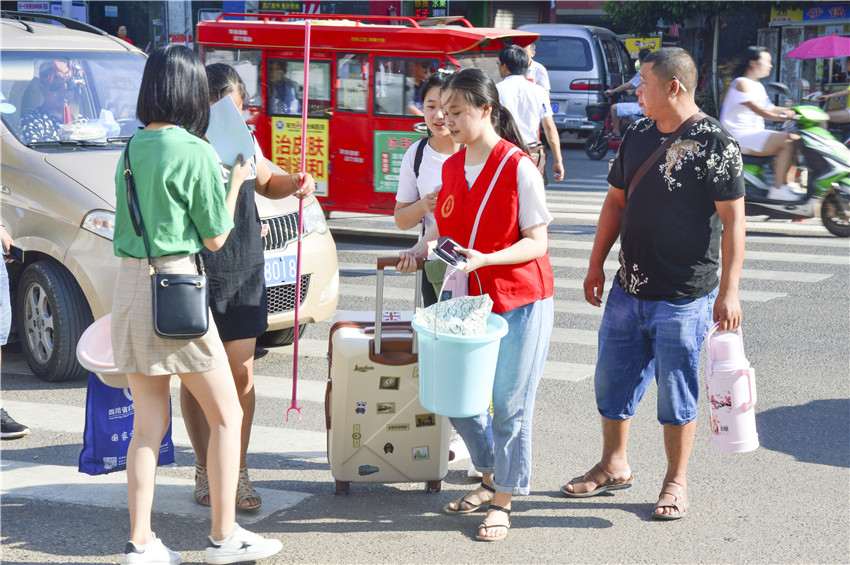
<point x="57" y="195"/>
<point x="582" y="61"/>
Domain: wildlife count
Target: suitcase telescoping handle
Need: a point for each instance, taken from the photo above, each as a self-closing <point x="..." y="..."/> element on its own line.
<point x="384" y="262"/>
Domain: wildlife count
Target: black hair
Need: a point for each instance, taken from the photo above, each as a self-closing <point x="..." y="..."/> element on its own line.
<point x="476" y="87"/>
<point x="750" y="54"/>
<point x="437" y="79"/>
<point x="222" y="79"/>
<point x="669" y="62"/>
<point x="174" y="90"/>
<point x="515" y="59"/>
<point x="643" y="53"/>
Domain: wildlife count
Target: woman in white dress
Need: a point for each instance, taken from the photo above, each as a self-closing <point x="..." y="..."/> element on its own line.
<point x="745" y="108"/>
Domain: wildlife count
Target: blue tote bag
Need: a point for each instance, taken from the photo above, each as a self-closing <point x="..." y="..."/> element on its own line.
<point x="109" y="428"/>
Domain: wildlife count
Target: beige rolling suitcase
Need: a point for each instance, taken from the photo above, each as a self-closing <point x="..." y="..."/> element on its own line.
<point x="377" y="430"/>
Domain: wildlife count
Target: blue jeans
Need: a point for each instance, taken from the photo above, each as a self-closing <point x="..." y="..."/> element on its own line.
<point x="644" y="339"/>
<point x="501" y="444"/>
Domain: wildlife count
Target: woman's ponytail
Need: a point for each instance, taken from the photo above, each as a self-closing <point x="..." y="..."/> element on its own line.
<point x="506" y="127"/>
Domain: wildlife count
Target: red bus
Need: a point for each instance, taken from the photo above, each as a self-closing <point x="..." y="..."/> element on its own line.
<point x="363" y="103"/>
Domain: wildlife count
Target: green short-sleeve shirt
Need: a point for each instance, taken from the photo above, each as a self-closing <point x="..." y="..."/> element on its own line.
<point x="181" y="195"/>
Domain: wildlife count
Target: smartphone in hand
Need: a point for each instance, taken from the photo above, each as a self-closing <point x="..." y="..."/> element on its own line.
<point x="15" y="254"/>
<point x="445" y="250"/>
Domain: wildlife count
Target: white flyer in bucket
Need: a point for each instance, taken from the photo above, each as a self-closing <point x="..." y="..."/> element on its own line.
<point x="466" y="315"/>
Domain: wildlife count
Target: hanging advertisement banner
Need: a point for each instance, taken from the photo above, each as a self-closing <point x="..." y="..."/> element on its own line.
<point x="286" y="149"/>
<point x="389" y="150"/>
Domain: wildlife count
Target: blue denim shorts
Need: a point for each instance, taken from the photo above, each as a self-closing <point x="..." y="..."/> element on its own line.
<point x="644" y="339"/>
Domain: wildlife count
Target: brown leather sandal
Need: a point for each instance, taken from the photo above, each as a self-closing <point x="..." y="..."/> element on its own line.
<point x="604" y="482"/>
<point x="472" y="507"/>
<point x="245" y="492"/>
<point x="485" y="527"/>
<point x="202" y="486"/>
<point x="679" y="503"/>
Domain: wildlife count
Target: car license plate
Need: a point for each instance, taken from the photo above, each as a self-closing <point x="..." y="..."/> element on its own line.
<point x="280" y="269"/>
<point x="556" y="106"/>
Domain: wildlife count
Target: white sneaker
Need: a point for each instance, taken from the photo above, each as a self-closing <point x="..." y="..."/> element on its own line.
<point x="457" y="447"/>
<point x="473" y="473"/>
<point x="152" y="552"/>
<point x="782" y="193"/>
<point x="240" y="546"/>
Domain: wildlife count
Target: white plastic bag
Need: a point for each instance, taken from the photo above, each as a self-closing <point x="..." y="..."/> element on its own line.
<point x="466" y="315"/>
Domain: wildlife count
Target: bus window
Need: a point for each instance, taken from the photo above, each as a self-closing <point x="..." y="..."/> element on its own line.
<point x="486" y="61"/>
<point x="352" y="91"/>
<point x="247" y="64"/>
<point x="397" y="83"/>
<point x="286" y="90"/>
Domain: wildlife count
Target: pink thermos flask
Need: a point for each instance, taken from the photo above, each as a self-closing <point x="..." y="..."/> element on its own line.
<point x="731" y="390"/>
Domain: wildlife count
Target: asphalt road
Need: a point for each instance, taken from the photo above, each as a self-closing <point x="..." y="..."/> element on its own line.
<point x="786" y="502"/>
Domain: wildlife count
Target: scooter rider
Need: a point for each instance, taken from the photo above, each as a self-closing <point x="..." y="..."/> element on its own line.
<point x="745" y="108"/>
<point x="627" y="109"/>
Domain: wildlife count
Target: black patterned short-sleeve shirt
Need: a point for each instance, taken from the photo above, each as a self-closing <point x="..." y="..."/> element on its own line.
<point x="670" y="230"/>
<point x="39" y="125"/>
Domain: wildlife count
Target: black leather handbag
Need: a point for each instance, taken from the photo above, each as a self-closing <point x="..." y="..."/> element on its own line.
<point x="180" y="303"/>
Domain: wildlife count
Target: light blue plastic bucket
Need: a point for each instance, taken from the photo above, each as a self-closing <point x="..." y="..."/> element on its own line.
<point x="456" y="372"/>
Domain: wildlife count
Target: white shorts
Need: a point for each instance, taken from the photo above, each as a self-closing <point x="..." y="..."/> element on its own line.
<point x="753" y="141"/>
<point x="629" y="109"/>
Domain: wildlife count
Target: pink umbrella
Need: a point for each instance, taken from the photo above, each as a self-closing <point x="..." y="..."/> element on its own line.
<point x="827" y="47"/>
<point x="304" y="105"/>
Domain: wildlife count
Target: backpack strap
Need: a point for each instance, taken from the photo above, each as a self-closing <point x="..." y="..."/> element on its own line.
<point x="417" y="158"/>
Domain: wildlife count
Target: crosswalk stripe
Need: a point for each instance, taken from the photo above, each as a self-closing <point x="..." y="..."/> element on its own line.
<point x="395" y="293"/>
<point x="581" y="263"/>
<point x="787" y="276"/>
<point x="558" y="242"/>
<point x="71" y="419"/>
<point x="555" y="207"/>
<point x="590" y="216"/>
<point x="173" y="495"/>
<point x="281" y="387"/>
<point x="792" y="241"/>
<point x="743" y="294"/>
<point x="795" y="258"/>
<point x="561" y="371"/>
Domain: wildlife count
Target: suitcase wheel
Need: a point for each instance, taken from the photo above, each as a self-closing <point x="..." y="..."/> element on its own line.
<point x="341" y="487"/>
<point x="433" y="486"/>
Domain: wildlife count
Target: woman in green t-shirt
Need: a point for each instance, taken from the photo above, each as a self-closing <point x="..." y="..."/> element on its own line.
<point x="185" y="207"/>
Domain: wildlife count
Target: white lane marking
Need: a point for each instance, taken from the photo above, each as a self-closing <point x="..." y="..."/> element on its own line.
<point x="830" y="241"/>
<point x="787" y="276"/>
<point x="282" y="440"/>
<point x="796" y="257"/>
<point x="561" y="371"/>
<point x="281" y="387"/>
<point x="173" y="495"/>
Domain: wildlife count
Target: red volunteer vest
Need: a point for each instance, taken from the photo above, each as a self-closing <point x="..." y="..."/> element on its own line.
<point x="509" y="286"/>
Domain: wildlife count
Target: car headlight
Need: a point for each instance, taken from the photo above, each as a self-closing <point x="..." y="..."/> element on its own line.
<point x="100" y="222"/>
<point x="314" y="219"/>
<point x="331" y="289"/>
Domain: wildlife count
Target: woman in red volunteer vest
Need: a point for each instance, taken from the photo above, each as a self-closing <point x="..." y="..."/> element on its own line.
<point x="511" y="263"/>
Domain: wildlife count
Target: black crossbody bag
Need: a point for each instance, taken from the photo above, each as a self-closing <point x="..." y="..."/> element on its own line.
<point x="179" y="303"/>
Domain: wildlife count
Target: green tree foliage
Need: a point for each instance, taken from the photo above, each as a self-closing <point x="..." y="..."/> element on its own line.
<point x="641" y="18"/>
